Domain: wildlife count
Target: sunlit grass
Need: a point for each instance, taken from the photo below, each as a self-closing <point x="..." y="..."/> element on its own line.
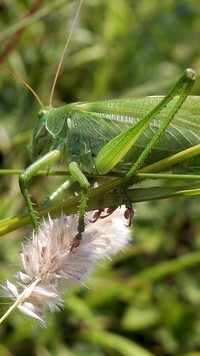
<point x="147" y="300"/>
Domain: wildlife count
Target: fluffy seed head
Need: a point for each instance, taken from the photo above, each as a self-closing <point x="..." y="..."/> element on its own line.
<point x="50" y="265"/>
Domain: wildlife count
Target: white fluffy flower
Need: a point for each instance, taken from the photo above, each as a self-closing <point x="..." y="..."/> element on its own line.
<point x="51" y="265"/>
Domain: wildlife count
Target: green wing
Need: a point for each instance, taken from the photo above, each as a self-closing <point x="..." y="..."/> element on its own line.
<point x="106" y="119"/>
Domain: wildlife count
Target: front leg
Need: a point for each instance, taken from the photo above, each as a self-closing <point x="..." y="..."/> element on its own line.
<point x="81" y="178"/>
<point x="29" y="172"/>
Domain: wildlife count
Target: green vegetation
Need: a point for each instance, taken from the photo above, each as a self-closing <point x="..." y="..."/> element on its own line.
<point x="147" y="300"/>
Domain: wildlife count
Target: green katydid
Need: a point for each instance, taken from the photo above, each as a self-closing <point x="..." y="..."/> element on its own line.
<point x="114" y="135"/>
<point x="107" y="135"/>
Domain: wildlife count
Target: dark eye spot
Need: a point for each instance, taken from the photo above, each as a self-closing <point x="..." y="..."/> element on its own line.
<point x="42" y="112"/>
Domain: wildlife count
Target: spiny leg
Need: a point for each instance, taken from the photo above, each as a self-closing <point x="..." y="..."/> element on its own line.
<point x="81" y="178"/>
<point x="114" y="151"/>
<point x="184" y="84"/>
<point x="28" y="173"/>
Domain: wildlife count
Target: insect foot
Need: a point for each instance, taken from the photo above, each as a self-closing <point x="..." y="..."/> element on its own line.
<point x="129" y="212"/>
<point x="98" y="214"/>
<point x="75" y="242"/>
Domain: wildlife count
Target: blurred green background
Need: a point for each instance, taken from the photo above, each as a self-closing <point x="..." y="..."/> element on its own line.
<point x="147" y="300"/>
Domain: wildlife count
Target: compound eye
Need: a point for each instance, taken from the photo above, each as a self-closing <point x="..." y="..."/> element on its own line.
<point x="41" y="113"/>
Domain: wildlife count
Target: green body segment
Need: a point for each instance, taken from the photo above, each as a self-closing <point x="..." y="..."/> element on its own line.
<point x="81" y="130"/>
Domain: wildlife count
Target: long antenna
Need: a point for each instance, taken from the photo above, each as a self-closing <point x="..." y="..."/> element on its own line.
<point x="23" y="82"/>
<point x="64" y="51"/>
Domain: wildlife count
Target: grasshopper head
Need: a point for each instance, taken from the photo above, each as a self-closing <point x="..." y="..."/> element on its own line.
<point x="42" y="140"/>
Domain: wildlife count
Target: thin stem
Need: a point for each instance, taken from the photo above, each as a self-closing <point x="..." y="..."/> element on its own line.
<point x="95" y="201"/>
<point x="141" y="174"/>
